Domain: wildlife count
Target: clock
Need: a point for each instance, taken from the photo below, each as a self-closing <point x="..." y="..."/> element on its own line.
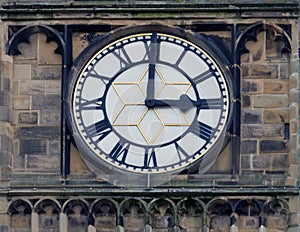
<point x="146" y="102"/>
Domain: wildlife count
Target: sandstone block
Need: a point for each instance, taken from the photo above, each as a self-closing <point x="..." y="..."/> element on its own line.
<point x="246" y="100"/>
<point x="259" y="71"/>
<point x="44" y="163"/>
<point x="262" y="130"/>
<point x="261" y="161"/>
<point x="22" y="102"/>
<point x="37" y="132"/>
<point x="22" y="71"/>
<point x="248" y="146"/>
<point x="276" y="86"/>
<point x="280" y="161"/>
<point x="270" y="101"/>
<point x="32" y="87"/>
<point x="28" y="117"/>
<point x="53" y="86"/>
<point x="46" y="50"/>
<point x="252" y="86"/>
<point x="46" y="102"/>
<point x="276" y="115"/>
<point x="46" y="72"/>
<point x="273" y="146"/>
<point x="253" y="116"/>
<point x="32" y="147"/>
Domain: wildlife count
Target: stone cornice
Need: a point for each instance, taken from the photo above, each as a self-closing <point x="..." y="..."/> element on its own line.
<point x="20" y="10"/>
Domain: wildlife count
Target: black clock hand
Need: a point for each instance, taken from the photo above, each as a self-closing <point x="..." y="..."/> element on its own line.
<point x="151" y="70"/>
<point x="184" y="103"/>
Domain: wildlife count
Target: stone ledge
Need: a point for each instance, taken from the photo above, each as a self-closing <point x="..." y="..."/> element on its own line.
<point x="125" y="7"/>
<point x="91" y="191"/>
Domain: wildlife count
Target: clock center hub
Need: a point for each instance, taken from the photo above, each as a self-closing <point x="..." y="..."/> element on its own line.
<point x="136" y="118"/>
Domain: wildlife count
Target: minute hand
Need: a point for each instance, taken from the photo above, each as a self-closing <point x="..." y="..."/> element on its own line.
<point x="151" y="70"/>
<point x="184" y="103"/>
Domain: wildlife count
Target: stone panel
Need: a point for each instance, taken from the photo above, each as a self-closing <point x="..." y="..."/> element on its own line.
<point x="46" y="50"/>
<point x="37" y="132"/>
<point x="46" y="102"/>
<point x="276" y="86"/>
<point x="28" y="117"/>
<point x="22" y="102"/>
<point x="253" y="116"/>
<point x="249" y="147"/>
<point x="276" y="115"/>
<point x="41" y="72"/>
<point x="22" y="71"/>
<point x="32" y="87"/>
<point x="32" y="147"/>
<point x="270" y="101"/>
<point x="273" y="146"/>
<point x="262" y="130"/>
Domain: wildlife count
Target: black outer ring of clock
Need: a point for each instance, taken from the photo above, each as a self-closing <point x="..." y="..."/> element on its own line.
<point x="102" y="41"/>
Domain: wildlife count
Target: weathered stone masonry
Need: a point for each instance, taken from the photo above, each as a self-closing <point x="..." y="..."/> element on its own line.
<point x="254" y="184"/>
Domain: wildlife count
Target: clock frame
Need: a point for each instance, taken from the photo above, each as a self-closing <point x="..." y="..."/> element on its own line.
<point x="135" y="153"/>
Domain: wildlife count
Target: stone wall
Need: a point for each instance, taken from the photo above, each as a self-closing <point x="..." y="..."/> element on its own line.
<point x="253" y="186"/>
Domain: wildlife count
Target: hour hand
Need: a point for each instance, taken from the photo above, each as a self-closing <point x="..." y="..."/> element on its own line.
<point x="151" y="69"/>
<point x="184" y="103"/>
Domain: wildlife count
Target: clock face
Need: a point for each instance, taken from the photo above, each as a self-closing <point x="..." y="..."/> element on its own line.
<point x="148" y="102"/>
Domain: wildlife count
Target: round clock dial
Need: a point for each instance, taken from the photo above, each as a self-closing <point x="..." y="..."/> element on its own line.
<point x="149" y="101"/>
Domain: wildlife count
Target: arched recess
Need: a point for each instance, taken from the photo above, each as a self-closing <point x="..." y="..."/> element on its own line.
<point x="48" y="213"/>
<point x="104" y="214"/>
<point x="162" y="214"/>
<point x="22" y="36"/>
<point x="250" y="34"/>
<point x="133" y="214"/>
<point x="61" y="35"/>
<point x="20" y="215"/>
<point x="276" y="215"/>
<point x="249" y="214"/>
<point x="190" y="213"/>
<point x="77" y="212"/>
<point x="243" y="34"/>
<point x="219" y="213"/>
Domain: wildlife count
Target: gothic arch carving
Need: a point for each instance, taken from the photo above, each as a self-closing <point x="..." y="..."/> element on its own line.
<point x="77" y="211"/>
<point x="219" y="213"/>
<point x="162" y="214"/>
<point x="104" y="214"/>
<point x="133" y="214"/>
<point x="20" y="215"/>
<point x="248" y="213"/>
<point x="279" y="33"/>
<point x="48" y="211"/>
<point x="277" y="214"/>
<point x="190" y="213"/>
<point x="22" y="36"/>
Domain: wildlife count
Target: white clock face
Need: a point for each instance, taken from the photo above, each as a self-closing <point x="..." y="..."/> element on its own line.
<point x="149" y="103"/>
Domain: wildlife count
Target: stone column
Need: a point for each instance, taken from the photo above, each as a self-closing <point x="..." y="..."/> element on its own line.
<point x="63" y="222"/>
<point x="34" y="222"/>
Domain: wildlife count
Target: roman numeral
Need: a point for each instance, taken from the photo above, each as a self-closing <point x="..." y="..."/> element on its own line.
<point x="92" y="73"/>
<point x="152" y="49"/>
<point x="150" y="159"/>
<point x="182" y="154"/>
<point x="202" y="130"/>
<point x="202" y="77"/>
<point x="101" y="129"/>
<point x="123" y="57"/>
<point x="91" y="104"/>
<point x="120" y="151"/>
<point x="147" y="48"/>
<point x="213" y="103"/>
<point x="180" y="57"/>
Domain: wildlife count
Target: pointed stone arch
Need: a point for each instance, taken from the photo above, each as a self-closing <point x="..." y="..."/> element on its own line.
<point x="20" y="215"/>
